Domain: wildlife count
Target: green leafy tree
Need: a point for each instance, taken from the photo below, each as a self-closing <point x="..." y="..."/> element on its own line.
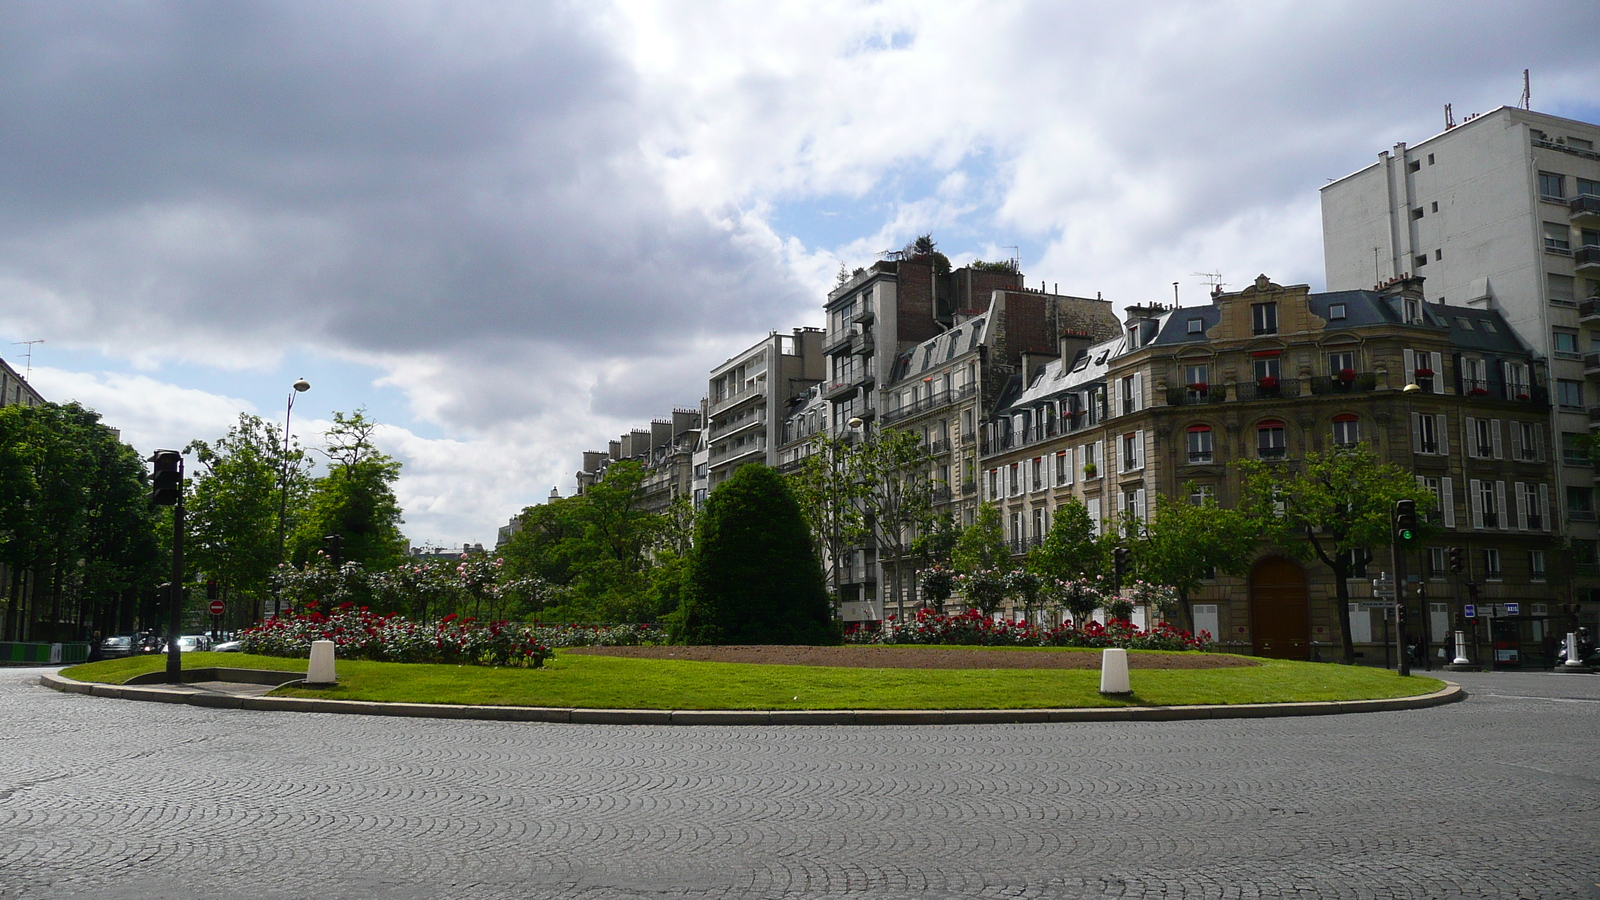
<point x="1071" y="549"/>
<point x="1183" y="543"/>
<point x="754" y="576"/>
<point x="355" y="500"/>
<point x="982" y="545"/>
<point x="1326" y="507"/>
<point x="896" y="497"/>
<point x="830" y="497"/>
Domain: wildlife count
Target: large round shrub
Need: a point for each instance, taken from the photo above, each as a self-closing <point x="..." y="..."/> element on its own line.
<point x="754" y="577"/>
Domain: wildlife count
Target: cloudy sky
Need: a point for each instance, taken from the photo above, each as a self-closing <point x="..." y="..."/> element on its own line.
<point x="513" y="230"/>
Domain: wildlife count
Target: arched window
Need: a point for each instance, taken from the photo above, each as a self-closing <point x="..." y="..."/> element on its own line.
<point x="1200" y="448"/>
<point x="1346" y="430"/>
<point x="1271" y="442"/>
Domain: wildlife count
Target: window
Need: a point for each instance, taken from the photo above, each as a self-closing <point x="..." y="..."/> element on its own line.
<point x="1427" y="432"/>
<point x="1489" y="515"/>
<point x="1528" y="439"/>
<point x="1130" y="395"/>
<point x="1341" y="362"/>
<point x="1336" y="311"/>
<point x="1202" y="495"/>
<point x="1270" y="440"/>
<point x="1416" y="213"/>
<point x="1565" y="343"/>
<point x="1482" y="438"/>
<point x="1560" y="288"/>
<point x="1063" y="467"/>
<point x="1438" y="254"/>
<point x="1036" y="467"/>
<point x="1199" y="444"/>
<point x="1438" y="562"/>
<point x="1488" y="326"/>
<point x="1414" y="166"/>
<point x="1133" y="451"/>
<point x="1580" y="503"/>
<point x="994" y="483"/>
<point x="1346" y="431"/>
<point x="1198" y="381"/>
<point x="1039" y="527"/>
<point x="1551" y="186"/>
<point x="1491" y="564"/>
<point x="1569" y="394"/>
<point x="1133" y="504"/>
<point x="1557" y="238"/>
<point x="1418" y="261"/>
<point x="1091" y="459"/>
<point x="1587" y="188"/>
<point x="1591" y="237"/>
<point x="1430" y="159"/>
<point x="1530" y="512"/>
<point x="1197" y="326"/>
<point x="1016" y="528"/>
<point x="1264" y="317"/>
<point x="1434" y="207"/>
<point x="1411" y="307"/>
<point x="1574" y="451"/>
<point x="1266" y="367"/>
<point x="1536" y="565"/>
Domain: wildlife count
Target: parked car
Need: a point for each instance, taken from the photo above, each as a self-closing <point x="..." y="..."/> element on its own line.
<point x="117" y="646"/>
<point x="226" y="647"/>
<point x="188" y="643"/>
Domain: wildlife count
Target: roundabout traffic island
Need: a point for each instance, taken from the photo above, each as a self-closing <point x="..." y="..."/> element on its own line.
<point x="789" y="685"/>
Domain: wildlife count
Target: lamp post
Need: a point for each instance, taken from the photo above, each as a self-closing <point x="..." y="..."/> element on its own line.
<point x="1399" y="549"/>
<point x="300" y="386"/>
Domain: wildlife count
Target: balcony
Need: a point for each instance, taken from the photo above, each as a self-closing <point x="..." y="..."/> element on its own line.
<point x="1265" y="390"/>
<point x="1201" y="457"/>
<point x="1591" y="364"/>
<point x="1182" y="396"/>
<point x="1589" y="310"/>
<point x="840" y="344"/>
<point x="1501" y="391"/>
<point x="1272" y="452"/>
<point x="837" y="389"/>
<point x="864" y="317"/>
<point x="1586" y="259"/>
<point x="733" y="398"/>
<point x="723" y="429"/>
<point x="866" y="346"/>
<point x="725" y="452"/>
<point x="938" y="448"/>
<point x="1584" y="211"/>
<point x="941" y="492"/>
<point x="1327" y="384"/>
<point x="1594" y="417"/>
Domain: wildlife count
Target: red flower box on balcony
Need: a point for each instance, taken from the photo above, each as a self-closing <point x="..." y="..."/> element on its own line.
<point x="1268" y="383"/>
<point x="1200" y="387"/>
<point x="1347" y="375"/>
<point x="1522" y="396"/>
<point x="1479" y="392"/>
<point x="1424" y="373"/>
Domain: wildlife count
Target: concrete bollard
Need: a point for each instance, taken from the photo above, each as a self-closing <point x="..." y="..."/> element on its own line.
<point x="1574" y="661"/>
<point x="1114" y="671"/>
<point x="1461" y="650"/>
<point x="321" y="671"/>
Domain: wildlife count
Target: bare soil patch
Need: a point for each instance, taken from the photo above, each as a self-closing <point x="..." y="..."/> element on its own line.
<point x="879" y="657"/>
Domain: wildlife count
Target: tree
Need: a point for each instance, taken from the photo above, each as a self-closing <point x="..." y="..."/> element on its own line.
<point x="830" y="499"/>
<point x="1184" y="543"/>
<point x="233" y="505"/>
<point x="1329" y="506"/>
<point x="1071" y="549"/>
<point x="896" y="497"/>
<point x="982" y="545"/>
<point x="355" y="500"/>
<point x="754" y="577"/>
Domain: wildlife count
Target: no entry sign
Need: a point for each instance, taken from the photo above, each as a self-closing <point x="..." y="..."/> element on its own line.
<point x="216" y="607"/>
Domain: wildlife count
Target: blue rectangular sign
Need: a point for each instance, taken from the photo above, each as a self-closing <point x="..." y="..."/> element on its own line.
<point x="1470" y="611"/>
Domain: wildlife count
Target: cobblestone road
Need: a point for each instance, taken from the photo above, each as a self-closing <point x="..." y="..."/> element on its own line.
<point x="1495" y="797"/>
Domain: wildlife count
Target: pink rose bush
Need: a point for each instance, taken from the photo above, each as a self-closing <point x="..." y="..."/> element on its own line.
<point x="973" y="628"/>
<point x="360" y="634"/>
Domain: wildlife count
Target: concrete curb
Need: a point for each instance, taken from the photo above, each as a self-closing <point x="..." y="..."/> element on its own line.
<point x="1451" y="693"/>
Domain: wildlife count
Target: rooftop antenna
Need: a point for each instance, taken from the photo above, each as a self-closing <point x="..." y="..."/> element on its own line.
<point x="1214" y="279"/>
<point x="1527" y="92"/>
<point x="1449" y="118"/>
<point x="1016" y="256"/>
<point x="28" y="377"/>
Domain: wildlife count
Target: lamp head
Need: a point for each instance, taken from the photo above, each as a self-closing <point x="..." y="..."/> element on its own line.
<point x="1411" y="389"/>
<point x="302" y="385"/>
<point x="855" y="422"/>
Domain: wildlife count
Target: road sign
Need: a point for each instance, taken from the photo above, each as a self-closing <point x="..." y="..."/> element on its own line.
<point x="217" y="607"/>
<point x="1470" y="611"/>
<point x="1513" y="609"/>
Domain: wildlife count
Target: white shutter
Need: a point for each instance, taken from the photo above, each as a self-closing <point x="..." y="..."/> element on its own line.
<point x="1522" y="506"/>
<point x="1138" y="504"/>
<point x="1500" y="505"/>
<point x="1494" y="438"/>
<point x="1538" y="442"/>
<point x="1441" y="427"/>
<point x="1116" y="397"/>
<point x="1416" y="432"/>
<point x="1438" y="372"/>
<point x="1475" y="498"/>
<point x="1447" y="501"/>
<point x="1049" y="470"/>
<point x="1468" y="441"/>
<point x="1544" y="507"/>
<point x="1516" y="439"/>
<point x="1070" y="468"/>
<point x="1139" y="444"/>
<point x="1410" y="363"/>
<point x="1093" y="505"/>
<point x="1138" y="392"/>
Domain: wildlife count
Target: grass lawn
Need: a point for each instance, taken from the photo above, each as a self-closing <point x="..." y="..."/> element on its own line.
<point x="602" y="682"/>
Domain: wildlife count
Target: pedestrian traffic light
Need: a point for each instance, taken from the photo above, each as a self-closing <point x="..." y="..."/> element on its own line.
<point x="166" y="484"/>
<point x="1458" y="560"/>
<point x="1405" y="521"/>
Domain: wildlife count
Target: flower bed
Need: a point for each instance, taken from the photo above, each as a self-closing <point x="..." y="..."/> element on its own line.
<point x="972" y="628"/>
<point x="599" y="635"/>
<point x="360" y="634"/>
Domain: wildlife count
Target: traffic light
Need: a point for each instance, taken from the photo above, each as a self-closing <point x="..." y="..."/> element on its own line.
<point x="333" y="545"/>
<point x="1458" y="560"/>
<point x="211" y="589"/>
<point x="1119" y="563"/>
<point x="1405" y="521"/>
<point x="166" y="484"/>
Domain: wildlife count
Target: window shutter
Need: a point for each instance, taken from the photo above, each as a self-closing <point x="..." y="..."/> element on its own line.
<point x="1070" y="468"/>
<point x="1447" y="501"/>
<point x="1116" y="397"/>
<point x="1438" y="372"/>
<point x="1138" y="392"/>
<point x="1522" y="506"/>
<point x="1500" y="505"/>
<point x="1139" y="445"/>
<point x="1416" y="432"/>
<point x="1138" y="504"/>
<point x="1475" y="499"/>
<point x="1441" y="427"/>
<point x="1544" y="507"/>
<point x="1494" y="438"/>
<point x="1538" y="442"/>
<point x="1410" y="364"/>
<point x="1468" y="439"/>
<point x="1516" y="440"/>
<point x="1093" y="504"/>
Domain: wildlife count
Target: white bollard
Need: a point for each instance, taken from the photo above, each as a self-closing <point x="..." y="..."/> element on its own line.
<point x="1114" y="671"/>
<point x="1573" y="660"/>
<point x="321" y="671"/>
<point x="1461" y="650"/>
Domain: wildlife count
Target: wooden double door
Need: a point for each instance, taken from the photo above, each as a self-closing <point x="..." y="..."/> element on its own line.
<point x="1280" y="610"/>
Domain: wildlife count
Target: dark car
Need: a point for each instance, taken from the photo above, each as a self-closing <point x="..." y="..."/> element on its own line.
<point x="117" y="646"/>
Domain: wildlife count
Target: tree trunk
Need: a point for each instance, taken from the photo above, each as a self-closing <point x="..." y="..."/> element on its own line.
<point x="1341" y="592"/>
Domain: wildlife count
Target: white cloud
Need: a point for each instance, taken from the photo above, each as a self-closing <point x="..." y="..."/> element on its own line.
<point x="150" y="413"/>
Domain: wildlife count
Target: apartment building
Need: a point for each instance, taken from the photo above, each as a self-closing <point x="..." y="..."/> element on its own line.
<point x="749" y="394"/>
<point x="666" y="451"/>
<point x="1501" y="211"/>
<point x="14" y="389"/>
<point x="1269" y="373"/>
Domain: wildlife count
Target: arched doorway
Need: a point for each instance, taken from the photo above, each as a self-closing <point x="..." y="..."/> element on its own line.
<point x="1280" y="615"/>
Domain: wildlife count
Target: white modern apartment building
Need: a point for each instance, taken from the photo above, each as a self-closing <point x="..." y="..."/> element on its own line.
<point x="1501" y="211"/>
<point x="748" y="397"/>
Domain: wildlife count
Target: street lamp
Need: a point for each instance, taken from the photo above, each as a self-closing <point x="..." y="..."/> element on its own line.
<point x="300" y="387"/>
<point x="1402" y="523"/>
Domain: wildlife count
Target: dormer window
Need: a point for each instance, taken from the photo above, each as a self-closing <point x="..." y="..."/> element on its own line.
<point x="1412" y="310"/>
<point x="1336" y="311"/>
<point x="1264" y="318"/>
<point x="1197" y="326"/>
